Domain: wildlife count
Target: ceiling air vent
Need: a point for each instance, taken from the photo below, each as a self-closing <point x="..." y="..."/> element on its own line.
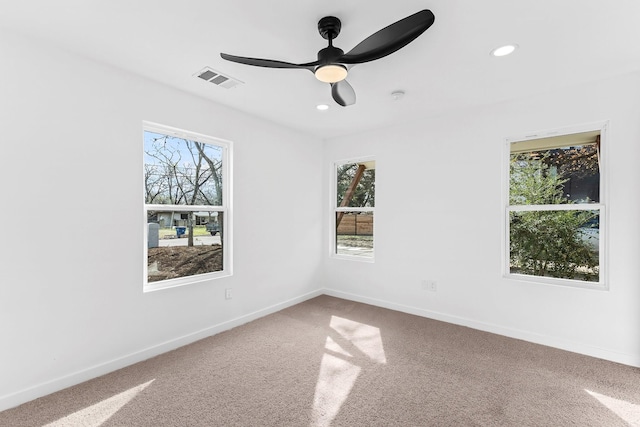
<point x="217" y="78"/>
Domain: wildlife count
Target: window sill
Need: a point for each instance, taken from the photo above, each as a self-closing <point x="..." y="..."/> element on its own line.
<point x="353" y="258"/>
<point x="596" y="286"/>
<point x="183" y="281"/>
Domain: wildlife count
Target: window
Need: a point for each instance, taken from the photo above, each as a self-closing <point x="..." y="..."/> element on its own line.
<point x="354" y="201"/>
<point x="186" y="206"/>
<point x="555" y="213"/>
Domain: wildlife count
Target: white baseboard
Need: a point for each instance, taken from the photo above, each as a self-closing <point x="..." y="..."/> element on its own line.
<point x="560" y="343"/>
<point x="48" y="387"/>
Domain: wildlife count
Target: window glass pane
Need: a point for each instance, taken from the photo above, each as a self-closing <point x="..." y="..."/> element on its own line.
<point x="356" y="184"/>
<point x="183" y="244"/>
<point x="555" y="176"/>
<point x="179" y="171"/>
<point x="562" y="244"/>
<point x="354" y="233"/>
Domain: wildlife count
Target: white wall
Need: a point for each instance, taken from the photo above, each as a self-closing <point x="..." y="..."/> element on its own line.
<point x="439" y="215"/>
<point x="71" y="300"/>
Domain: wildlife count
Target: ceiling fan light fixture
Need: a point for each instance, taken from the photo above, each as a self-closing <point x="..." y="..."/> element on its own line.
<point x="331" y="73"/>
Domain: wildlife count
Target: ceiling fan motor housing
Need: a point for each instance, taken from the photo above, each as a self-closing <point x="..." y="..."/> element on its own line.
<point x="329" y="55"/>
<point x="329" y="28"/>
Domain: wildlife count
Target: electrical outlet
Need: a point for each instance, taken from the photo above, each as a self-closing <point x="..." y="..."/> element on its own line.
<point x="227" y="293"/>
<point x="429" y="285"/>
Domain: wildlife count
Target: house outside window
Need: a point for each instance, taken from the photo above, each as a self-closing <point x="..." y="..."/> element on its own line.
<point x="555" y="215"/>
<point x="353" y="206"/>
<point x="186" y="207"/>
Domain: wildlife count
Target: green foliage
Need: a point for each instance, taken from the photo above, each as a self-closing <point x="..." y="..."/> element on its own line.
<point x="533" y="182"/>
<point x="547" y="243"/>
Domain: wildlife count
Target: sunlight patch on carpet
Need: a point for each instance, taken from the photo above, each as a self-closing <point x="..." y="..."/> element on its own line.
<point x="339" y="368"/>
<point x="95" y="415"/>
<point x="336" y="379"/>
<point x="331" y="345"/>
<point x="366" y="338"/>
<point x="629" y="412"/>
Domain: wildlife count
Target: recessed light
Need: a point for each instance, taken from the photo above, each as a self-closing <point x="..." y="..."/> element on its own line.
<point x="322" y="107"/>
<point x="504" y="50"/>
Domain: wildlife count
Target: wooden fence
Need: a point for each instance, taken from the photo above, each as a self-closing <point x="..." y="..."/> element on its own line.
<point x="356" y="224"/>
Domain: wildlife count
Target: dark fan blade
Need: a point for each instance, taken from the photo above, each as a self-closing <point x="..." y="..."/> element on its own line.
<point x="269" y="63"/>
<point x="343" y="93"/>
<point x="390" y="39"/>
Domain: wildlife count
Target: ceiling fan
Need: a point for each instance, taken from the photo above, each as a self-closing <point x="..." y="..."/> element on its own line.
<point x="332" y="64"/>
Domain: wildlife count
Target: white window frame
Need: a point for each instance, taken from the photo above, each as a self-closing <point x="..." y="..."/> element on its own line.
<point x="333" y="252"/>
<point x="603" y="283"/>
<point x="225" y="208"/>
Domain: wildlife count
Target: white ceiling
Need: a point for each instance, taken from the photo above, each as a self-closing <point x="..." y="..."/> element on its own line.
<point x="562" y="42"/>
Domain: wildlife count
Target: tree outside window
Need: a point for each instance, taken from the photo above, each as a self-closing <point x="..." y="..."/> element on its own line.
<point x="354" y="209"/>
<point x="555" y="211"/>
<point x="185" y="192"/>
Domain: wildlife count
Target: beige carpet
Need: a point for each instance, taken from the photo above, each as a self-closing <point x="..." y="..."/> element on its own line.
<point x="331" y="362"/>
